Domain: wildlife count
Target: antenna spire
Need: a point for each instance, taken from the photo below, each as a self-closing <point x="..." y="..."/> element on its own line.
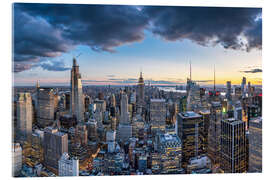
<point x="214" y="78"/>
<point x="190" y="70"/>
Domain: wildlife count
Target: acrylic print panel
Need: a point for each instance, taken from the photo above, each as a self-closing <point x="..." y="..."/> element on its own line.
<point x="126" y="90"/>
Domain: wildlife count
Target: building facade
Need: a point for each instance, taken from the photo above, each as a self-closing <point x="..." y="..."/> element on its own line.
<point x="76" y="97"/>
<point x="255" y="145"/>
<point x="233" y="151"/>
<point x="16" y="159"/>
<point x="45" y="107"/>
<point x="55" y="144"/>
<point x="190" y="131"/>
<point x="24" y="115"/>
<point x="68" y="166"/>
<point x="157" y="115"/>
<point x="214" y="133"/>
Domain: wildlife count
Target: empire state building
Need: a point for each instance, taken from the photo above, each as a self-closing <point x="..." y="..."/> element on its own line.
<point x="141" y="91"/>
<point x="76" y="97"/>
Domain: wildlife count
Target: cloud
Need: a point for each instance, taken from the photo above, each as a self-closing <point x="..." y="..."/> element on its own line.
<point x="257" y="70"/>
<point x="46" y="31"/>
<point x="54" y="66"/>
<point x="100" y="27"/>
<point x="208" y="26"/>
<point x="19" y="67"/>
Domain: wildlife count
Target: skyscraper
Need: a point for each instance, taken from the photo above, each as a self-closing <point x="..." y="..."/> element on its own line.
<point x="140" y="91"/>
<point x="170" y="148"/>
<point x="68" y="166"/>
<point x="45" y="107"/>
<point x="243" y="86"/>
<point x="233" y="146"/>
<point x="55" y="144"/>
<point x="76" y="98"/>
<point x="214" y="132"/>
<point x="206" y="118"/>
<point x="157" y="115"/>
<point x="255" y="145"/>
<point x="190" y="131"/>
<point x="124" y="116"/>
<point x="24" y="115"/>
<point x="229" y="91"/>
<point x="124" y="129"/>
<point x="16" y="159"/>
<point x="193" y="98"/>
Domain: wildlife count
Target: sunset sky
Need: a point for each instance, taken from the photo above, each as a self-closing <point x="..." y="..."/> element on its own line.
<point x="116" y="42"/>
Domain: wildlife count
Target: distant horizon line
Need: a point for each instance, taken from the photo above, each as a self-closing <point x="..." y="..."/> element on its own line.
<point x="209" y="85"/>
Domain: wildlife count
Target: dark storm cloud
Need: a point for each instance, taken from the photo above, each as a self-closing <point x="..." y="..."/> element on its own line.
<point x="208" y="25"/>
<point x="257" y="70"/>
<point x="101" y="27"/>
<point x="49" y="30"/>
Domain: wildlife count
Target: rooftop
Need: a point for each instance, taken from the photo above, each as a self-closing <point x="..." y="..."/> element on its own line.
<point x="233" y="121"/>
<point x="157" y="100"/>
<point x="189" y="114"/>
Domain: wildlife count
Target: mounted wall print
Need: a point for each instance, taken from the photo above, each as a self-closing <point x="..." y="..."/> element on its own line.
<point x="105" y="90"/>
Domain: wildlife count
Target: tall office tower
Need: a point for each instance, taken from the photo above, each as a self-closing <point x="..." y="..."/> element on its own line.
<point x="193" y="99"/>
<point x="68" y="166"/>
<point x="113" y="123"/>
<point x="249" y="89"/>
<point x="45" y="107"/>
<point x="87" y="101"/>
<point x="157" y="115"/>
<point x="100" y="105"/>
<point x="133" y="97"/>
<point x="112" y="101"/>
<point x="16" y="159"/>
<point x="92" y="129"/>
<point x="243" y="86"/>
<point x="255" y="145"/>
<point x="81" y="134"/>
<point x="110" y="140"/>
<point x="124" y="128"/>
<point x="67" y="94"/>
<point x="140" y="100"/>
<point x="206" y="120"/>
<point x="190" y="131"/>
<point x="170" y="148"/>
<point x="233" y="146"/>
<point x="229" y="91"/>
<point x="76" y="97"/>
<point x="55" y="144"/>
<point x="124" y="116"/>
<point x="237" y="110"/>
<point x="214" y="133"/>
<point x="137" y="125"/>
<point x="189" y="81"/>
<point x="24" y="115"/>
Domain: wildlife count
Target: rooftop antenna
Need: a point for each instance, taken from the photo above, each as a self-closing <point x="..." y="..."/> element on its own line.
<point x="140" y="71"/>
<point x="189" y="70"/>
<point x="214" y="78"/>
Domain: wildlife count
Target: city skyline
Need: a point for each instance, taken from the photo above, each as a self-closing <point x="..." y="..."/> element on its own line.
<point x="116" y="58"/>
